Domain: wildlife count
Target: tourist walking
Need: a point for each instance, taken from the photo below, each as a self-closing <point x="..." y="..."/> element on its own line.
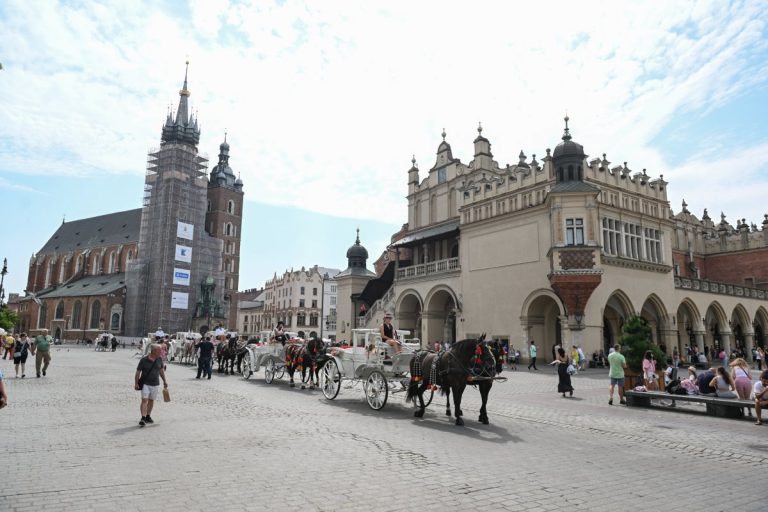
<point x="8" y="342"/>
<point x="20" y="353"/>
<point x="723" y="384"/>
<point x="760" y="394"/>
<point x="582" y="359"/>
<point x="563" y="363"/>
<point x="742" y="379"/>
<point x="532" y="354"/>
<point x="616" y="364"/>
<point x="649" y="372"/>
<point x="42" y="352"/>
<point x="675" y="358"/>
<point x="147" y="380"/>
<point x="205" y="358"/>
<point x="759" y="358"/>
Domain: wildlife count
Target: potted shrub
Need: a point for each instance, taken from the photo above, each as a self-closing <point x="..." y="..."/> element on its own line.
<point x="635" y="341"/>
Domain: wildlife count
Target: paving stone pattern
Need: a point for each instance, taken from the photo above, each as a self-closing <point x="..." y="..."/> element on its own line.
<point x="71" y="441"/>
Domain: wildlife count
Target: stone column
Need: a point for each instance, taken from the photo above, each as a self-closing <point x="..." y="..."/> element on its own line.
<point x="669" y="339"/>
<point x="749" y="344"/>
<point x="726" y="341"/>
<point x="699" y="337"/>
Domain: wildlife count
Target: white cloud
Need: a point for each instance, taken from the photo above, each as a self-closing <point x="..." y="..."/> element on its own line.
<point x="328" y="101"/>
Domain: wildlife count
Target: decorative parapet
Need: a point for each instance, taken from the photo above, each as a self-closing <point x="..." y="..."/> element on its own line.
<point x="428" y="269"/>
<point x="636" y="264"/>
<point x="700" y="285"/>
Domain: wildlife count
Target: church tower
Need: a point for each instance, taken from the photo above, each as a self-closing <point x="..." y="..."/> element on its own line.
<point x="176" y="255"/>
<point x="223" y="220"/>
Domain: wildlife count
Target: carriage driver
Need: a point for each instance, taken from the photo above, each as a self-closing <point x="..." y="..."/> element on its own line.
<point x="387" y="332"/>
<point x="278" y="334"/>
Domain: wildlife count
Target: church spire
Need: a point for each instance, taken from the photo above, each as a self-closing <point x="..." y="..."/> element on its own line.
<point x="184" y="128"/>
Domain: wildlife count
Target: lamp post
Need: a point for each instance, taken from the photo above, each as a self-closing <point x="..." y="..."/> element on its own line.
<point x="2" y="280"/>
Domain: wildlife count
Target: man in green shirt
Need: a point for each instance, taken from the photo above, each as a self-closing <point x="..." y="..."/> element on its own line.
<point x="617" y="363"/>
<point x="42" y="351"/>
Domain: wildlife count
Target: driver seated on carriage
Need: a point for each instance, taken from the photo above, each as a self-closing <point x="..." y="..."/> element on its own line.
<point x="387" y="332"/>
<point x="278" y="334"/>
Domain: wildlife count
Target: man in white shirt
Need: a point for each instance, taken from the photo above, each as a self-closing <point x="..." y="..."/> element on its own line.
<point x="760" y="393"/>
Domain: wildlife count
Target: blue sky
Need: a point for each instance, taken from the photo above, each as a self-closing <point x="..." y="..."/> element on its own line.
<point x="326" y="102"/>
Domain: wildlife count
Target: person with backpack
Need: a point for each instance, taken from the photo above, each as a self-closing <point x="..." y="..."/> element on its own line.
<point x="20" y="353"/>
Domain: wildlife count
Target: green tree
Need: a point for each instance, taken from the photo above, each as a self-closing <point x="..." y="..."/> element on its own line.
<point x="636" y="340"/>
<point x="8" y="318"/>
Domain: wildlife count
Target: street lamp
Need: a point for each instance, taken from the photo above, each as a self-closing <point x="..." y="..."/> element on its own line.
<point x="2" y="279"/>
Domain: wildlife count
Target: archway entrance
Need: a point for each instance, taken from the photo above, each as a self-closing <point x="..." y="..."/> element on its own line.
<point x="688" y="326"/>
<point x="408" y="315"/>
<point x="441" y="317"/>
<point x="654" y="313"/>
<point x="57" y="334"/>
<point x="542" y="322"/>
<point x="616" y="311"/>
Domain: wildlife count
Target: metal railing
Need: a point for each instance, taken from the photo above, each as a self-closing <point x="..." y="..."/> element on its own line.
<point x="691" y="283"/>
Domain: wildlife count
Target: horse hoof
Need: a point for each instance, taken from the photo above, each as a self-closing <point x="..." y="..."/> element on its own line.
<point x="482" y="420"/>
<point x="459" y="413"/>
<point x="459" y="422"/>
<point x="303" y="386"/>
<point x="447" y="412"/>
<point x="292" y="385"/>
<point x="419" y="414"/>
<point x="312" y="387"/>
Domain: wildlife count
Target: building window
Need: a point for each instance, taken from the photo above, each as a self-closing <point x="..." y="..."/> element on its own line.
<point x="302" y="290"/>
<point x="301" y="303"/>
<point x="314" y="303"/>
<point x="333" y="300"/>
<point x="441" y="177"/>
<point x="612" y="237"/>
<point x="633" y="245"/>
<point x="574" y="231"/>
<point x="114" y="324"/>
<point x="653" y="245"/>
<point x="76" y="314"/>
<point x="209" y="205"/>
<point x="333" y="288"/>
<point x="314" y="291"/>
<point x="59" y="315"/>
<point x="228" y="229"/>
<point x="43" y="316"/>
<point x="301" y="320"/>
<point x="313" y="320"/>
<point x="231" y="207"/>
<point x="95" y="315"/>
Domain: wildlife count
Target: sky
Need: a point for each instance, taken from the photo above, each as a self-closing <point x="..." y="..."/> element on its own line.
<point x="325" y="103"/>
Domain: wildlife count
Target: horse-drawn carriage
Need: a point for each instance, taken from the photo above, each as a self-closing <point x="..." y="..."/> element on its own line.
<point x="268" y="353"/>
<point x="102" y="342"/>
<point x="372" y="362"/>
<point x="183" y="347"/>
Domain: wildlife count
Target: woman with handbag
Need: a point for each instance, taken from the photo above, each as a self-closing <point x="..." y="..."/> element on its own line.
<point x="564" y="371"/>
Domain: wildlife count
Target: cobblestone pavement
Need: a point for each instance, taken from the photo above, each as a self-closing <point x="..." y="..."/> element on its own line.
<point x="71" y="441"/>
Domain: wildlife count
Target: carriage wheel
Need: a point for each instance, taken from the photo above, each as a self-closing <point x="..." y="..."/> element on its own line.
<point x="269" y="371"/>
<point x="376" y="390"/>
<point x="330" y="380"/>
<point x="247" y="368"/>
<point x="280" y="372"/>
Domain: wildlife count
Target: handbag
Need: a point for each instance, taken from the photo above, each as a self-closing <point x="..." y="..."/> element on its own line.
<point x="571" y="370"/>
<point x="166" y="395"/>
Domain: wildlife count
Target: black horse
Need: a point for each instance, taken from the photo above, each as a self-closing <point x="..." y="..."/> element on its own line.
<point x="472" y="361"/>
<point x="227" y="354"/>
<point x="315" y="357"/>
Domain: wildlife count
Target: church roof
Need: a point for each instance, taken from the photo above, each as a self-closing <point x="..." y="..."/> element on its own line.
<point x="90" y="285"/>
<point x="104" y="230"/>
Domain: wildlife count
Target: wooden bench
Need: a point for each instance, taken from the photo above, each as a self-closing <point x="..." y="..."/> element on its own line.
<point x="720" y="407"/>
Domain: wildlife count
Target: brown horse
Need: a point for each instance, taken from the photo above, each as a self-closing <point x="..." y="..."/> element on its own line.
<point x="472" y="361"/>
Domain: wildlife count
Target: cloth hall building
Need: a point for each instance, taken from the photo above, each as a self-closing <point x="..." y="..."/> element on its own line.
<point x="561" y="250"/>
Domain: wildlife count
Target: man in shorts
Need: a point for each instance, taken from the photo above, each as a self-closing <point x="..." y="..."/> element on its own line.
<point x="147" y="380"/>
<point x="617" y="364"/>
<point x="760" y="392"/>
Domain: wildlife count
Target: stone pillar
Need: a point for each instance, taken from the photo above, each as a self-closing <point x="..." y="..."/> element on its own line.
<point x="425" y="340"/>
<point x="726" y="341"/>
<point x="699" y="336"/>
<point x="669" y="339"/>
<point x="749" y="344"/>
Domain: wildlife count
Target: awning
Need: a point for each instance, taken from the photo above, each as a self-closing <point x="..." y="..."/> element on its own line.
<point x="426" y="234"/>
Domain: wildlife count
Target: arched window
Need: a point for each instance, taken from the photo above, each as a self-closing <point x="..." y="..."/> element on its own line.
<point x="95" y="315"/>
<point x="228" y="229"/>
<point x="114" y="325"/>
<point x="59" y="315"/>
<point x="209" y="205"/>
<point x="76" y="314"/>
<point x="231" y="207"/>
<point x="43" y="316"/>
<point x="130" y="256"/>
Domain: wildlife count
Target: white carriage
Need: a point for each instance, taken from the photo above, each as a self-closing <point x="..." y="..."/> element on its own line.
<point x="269" y="354"/>
<point x="183" y="347"/>
<point x="371" y="362"/>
